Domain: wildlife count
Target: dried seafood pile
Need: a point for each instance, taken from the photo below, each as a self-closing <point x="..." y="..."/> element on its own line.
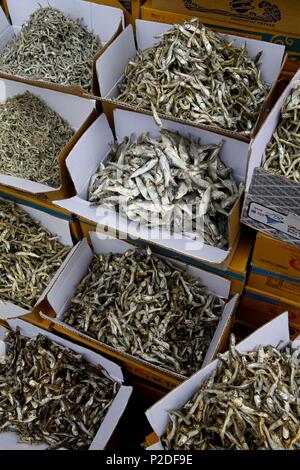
<point x="51" y="395"/>
<point x="250" y="402"/>
<point x="170" y="182"/>
<point x="29" y="256"/>
<point x="141" y="305"/>
<point x="54" y="48"/>
<point x="283" y="152"/>
<point x="32" y="136"/>
<point x="195" y="74"/>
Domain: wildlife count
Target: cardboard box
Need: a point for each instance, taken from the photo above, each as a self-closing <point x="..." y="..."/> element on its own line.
<point x="57" y="226"/>
<point x="274" y="283"/>
<point x="277" y="15"/>
<point x="76" y="110"/>
<point x="94" y="146"/>
<point x="272" y="202"/>
<point x="112" y="63"/>
<point x="276" y="256"/>
<point x="10" y="440"/>
<point x="258" y="307"/>
<point x="291" y="41"/>
<point x="105" y="21"/>
<point x="271" y="334"/>
<point x="75" y="268"/>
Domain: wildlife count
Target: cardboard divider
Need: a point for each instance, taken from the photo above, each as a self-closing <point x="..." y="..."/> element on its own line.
<point x="111" y="66"/>
<point x="114" y="413"/>
<point x="74" y="269"/>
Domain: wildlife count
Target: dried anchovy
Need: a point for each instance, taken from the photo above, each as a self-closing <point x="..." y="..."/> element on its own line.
<point x="169" y="181"/>
<point x="283" y="152"/>
<point x="51" y="395"/>
<point x="195" y="74"/>
<point x="54" y="48"/>
<point x="250" y="402"/>
<point x="32" y="136"/>
<point x="141" y="305"/>
<point x="29" y="256"/>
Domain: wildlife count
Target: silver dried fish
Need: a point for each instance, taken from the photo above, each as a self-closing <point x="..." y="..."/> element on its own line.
<point x="32" y="136"/>
<point x="282" y="155"/>
<point x="141" y="305"/>
<point x="51" y="395"/>
<point x="53" y="48"/>
<point x="29" y="256"/>
<point x="250" y="402"/>
<point x="196" y="74"/>
<point x="170" y="182"/>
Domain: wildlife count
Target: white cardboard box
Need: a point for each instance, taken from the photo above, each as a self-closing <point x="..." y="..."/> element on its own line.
<point x="76" y="110"/>
<point x="102" y="20"/>
<point x="56" y="226"/>
<point x="9" y="440"/>
<point x="272" y="202"/>
<point x="112" y="63"/>
<point x="73" y="270"/>
<point x="93" y="148"/>
<point x="272" y="333"/>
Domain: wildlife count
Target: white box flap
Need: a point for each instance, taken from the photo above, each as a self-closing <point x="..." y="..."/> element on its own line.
<point x="4" y="23"/>
<point x="9" y="310"/>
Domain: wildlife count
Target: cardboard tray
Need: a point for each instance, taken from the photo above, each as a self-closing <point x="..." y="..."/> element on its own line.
<point x="93" y="148"/>
<point x="75" y="268"/>
<point x="112" y="63"/>
<point x="9" y="440"/>
<point x="105" y="21"/>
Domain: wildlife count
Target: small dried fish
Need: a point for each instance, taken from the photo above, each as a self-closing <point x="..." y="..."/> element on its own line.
<point x="282" y="155"/>
<point x="29" y="256"/>
<point x="250" y="402"/>
<point x="141" y="305"/>
<point x="51" y="395"/>
<point x="196" y="74"/>
<point x="53" y="48"/>
<point x="32" y="136"/>
<point x="170" y="182"/>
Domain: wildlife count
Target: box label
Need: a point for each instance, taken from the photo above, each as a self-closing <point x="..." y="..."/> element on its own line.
<point x="289" y="224"/>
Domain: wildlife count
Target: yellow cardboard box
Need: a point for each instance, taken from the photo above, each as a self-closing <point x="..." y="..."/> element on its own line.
<point x="257" y="31"/>
<point x="274" y="14"/>
<point x="274" y="283"/>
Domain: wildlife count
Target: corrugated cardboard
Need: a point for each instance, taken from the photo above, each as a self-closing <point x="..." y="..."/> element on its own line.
<point x="272" y="202"/>
<point x="291" y="41"/>
<point x="10" y="441"/>
<point x="276" y="256"/>
<point x="258" y="307"/>
<point x="274" y="283"/>
<point x="76" y="110"/>
<point x="105" y="21"/>
<point x="271" y="334"/>
<point x="75" y="268"/>
<point x="93" y="148"/>
<point x="57" y="226"/>
<point x="112" y="63"/>
<point x="277" y="15"/>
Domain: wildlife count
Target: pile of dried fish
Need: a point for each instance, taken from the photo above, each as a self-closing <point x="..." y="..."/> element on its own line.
<point x="52" y="47"/>
<point x="170" y="182"/>
<point x="51" y="395"/>
<point x="144" y="306"/>
<point x="250" y="402"/>
<point x="283" y="152"/>
<point x="195" y="74"/>
<point x="29" y="256"/>
<point x="32" y="136"/>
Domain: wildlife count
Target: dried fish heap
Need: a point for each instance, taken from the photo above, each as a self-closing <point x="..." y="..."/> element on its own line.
<point x="170" y="182"/>
<point x="250" y="402"/>
<point x="51" y="395"/>
<point x="53" y="48"/>
<point x="32" y="136"/>
<point x="195" y="74"/>
<point x="141" y="305"/>
<point x="29" y="257"/>
<point x="283" y="152"/>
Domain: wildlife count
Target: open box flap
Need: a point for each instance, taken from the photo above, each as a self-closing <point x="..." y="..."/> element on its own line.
<point x="9" y="310"/>
<point x="4" y="23"/>
<point x="270" y="334"/>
